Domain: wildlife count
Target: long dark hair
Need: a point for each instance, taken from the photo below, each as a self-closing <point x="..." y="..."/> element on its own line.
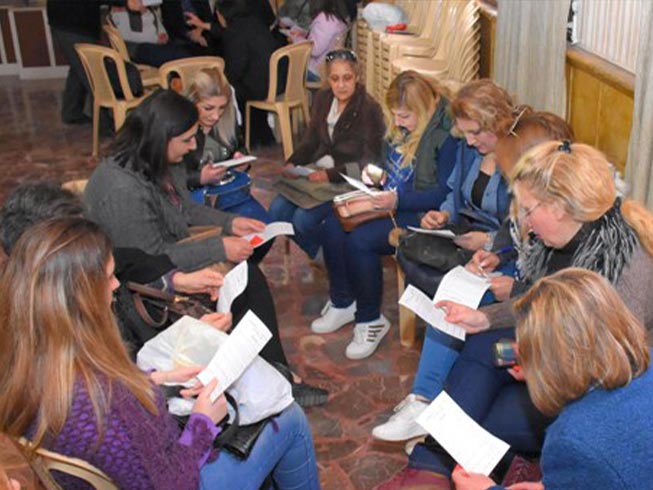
<point x="332" y="8"/>
<point x="142" y="142"/>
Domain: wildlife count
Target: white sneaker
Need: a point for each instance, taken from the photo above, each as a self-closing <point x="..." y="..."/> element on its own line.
<point x="367" y="337"/>
<point x="332" y="318"/>
<point x="402" y="425"/>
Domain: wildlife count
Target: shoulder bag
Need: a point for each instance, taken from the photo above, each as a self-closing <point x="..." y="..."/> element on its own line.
<point x="355" y="208"/>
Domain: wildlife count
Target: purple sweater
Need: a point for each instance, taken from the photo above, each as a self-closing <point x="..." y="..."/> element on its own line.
<point x="138" y="450"/>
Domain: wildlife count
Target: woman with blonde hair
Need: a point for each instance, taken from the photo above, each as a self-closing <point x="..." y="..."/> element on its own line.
<point x="218" y="138"/>
<point x="566" y="196"/>
<point x="86" y="399"/>
<point x="419" y="155"/>
<point x="585" y="360"/>
<point x="439" y="350"/>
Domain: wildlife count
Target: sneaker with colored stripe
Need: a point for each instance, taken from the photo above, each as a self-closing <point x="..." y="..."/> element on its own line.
<point x="367" y="337"/>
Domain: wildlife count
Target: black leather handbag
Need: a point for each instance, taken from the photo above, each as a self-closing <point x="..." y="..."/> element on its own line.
<point x="437" y="252"/>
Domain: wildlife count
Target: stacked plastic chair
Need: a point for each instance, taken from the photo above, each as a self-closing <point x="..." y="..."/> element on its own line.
<point x="458" y="53"/>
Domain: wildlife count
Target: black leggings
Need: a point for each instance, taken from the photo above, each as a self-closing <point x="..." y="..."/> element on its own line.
<point x="257" y="297"/>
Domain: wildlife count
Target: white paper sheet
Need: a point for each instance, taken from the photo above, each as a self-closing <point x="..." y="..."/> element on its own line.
<point x="238" y="352"/>
<point x="299" y="171"/>
<point x="473" y="448"/>
<point x="461" y="286"/>
<point x="441" y="233"/>
<point x="422" y="305"/>
<point x="273" y="229"/>
<point x="234" y="161"/>
<point x="357" y="184"/>
<point x="234" y="284"/>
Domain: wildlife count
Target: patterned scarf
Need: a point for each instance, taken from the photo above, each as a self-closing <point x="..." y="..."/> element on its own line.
<point x="606" y="248"/>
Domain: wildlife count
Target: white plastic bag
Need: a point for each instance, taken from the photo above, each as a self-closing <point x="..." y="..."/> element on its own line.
<point x="261" y="391"/>
<point x="381" y="15"/>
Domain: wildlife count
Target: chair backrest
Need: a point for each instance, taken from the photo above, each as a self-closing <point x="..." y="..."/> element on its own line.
<point x="186" y="68"/>
<point x="45" y="461"/>
<point x="116" y="40"/>
<point x="93" y="57"/>
<point x="297" y="55"/>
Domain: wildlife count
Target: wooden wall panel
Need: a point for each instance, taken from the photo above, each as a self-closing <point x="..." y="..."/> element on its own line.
<point x="32" y="38"/>
<point x="7" y="40"/>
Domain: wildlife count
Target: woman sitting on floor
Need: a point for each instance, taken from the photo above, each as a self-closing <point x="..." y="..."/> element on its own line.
<point x="218" y="138"/>
<point x="345" y="132"/>
<point x="585" y="360"/>
<point x="419" y="156"/>
<point x="57" y="325"/>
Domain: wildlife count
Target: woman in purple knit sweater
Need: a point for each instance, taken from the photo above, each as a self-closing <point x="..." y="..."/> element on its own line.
<point x="73" y="389"/>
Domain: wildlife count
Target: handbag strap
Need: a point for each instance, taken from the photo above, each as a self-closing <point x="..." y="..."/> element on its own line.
<point x="228" y="430"/>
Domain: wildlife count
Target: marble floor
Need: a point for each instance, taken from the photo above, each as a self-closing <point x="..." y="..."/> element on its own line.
<point x="35" y="144"/>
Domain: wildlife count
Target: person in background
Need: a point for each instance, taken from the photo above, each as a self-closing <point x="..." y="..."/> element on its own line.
<point x="73" y="22"/>
<point x="57" y="287"/>
<point x="145" y="36"/>
<point x="345" y="133"/>
<point x="329" y="24"/>
<point x="248" y="45"/>
<point x="419" y="156"/>
<point x="585" y="360"/>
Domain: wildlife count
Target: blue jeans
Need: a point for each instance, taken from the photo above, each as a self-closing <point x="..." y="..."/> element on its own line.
<point x="440" y="351"/>
<point x="251" y="209"/>
<point x="307" y="222"/>
<point x="353" y="262"/>
<point x="284" y="448"/>
<point x="492" y="397"/>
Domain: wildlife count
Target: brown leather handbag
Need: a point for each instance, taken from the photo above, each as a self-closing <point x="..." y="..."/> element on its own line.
<point x="356" y="208"/>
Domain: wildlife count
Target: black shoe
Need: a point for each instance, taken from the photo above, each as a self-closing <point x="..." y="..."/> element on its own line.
<point x="309" y="396"/>
<point x="304" y="394"/>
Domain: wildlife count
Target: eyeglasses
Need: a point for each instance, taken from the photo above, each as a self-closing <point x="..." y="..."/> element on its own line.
<point x="341" y="54"/>
<point x="525" y="213"/>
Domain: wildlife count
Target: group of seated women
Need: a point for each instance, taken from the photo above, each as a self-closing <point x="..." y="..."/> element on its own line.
<point x="570" y="257"/>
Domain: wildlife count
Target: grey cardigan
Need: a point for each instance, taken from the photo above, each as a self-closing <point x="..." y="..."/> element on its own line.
<point x="634" y="286"/>
<point x="137" y="213"/>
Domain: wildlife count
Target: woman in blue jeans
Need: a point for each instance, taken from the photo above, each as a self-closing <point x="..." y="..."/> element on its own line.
<point x="440" y="351"/>
<point x="102" y="408"/>
<point x="345" y="133"/>
<point x="566" y="196"/>
<point x="419" y="155"/>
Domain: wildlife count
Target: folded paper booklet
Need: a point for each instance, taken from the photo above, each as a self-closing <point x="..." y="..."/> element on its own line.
<point x="241" y="348"/>
<point x="441" y="233"/>
<point x="458" y="285"/>
<point x="234" y="161"/>
<point x="233" y="286"/>
<point x="272" y="230"/>
<point x="473" y="448"/>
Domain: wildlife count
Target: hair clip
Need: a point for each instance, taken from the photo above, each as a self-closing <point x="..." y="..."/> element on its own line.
<point x="565" y="146"/>
<point x="515" y="122"/>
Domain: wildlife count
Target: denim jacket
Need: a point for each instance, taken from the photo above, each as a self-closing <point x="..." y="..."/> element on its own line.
<point x="496" y="199"/>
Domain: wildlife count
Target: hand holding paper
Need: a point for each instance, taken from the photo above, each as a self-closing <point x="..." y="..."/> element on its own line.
<point x="357" y="184"/>
<point x="234" y="162"/>
<point x="422" y="305"/>
<point x="238" y="352"/>
<point x="474" y="448"/>
<point x="272" y="230"/>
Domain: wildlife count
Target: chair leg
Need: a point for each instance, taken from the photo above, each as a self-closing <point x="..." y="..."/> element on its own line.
<point x="406" y="316"/>
<point x="247" y="125"/>
<point x="96" y="129"/>
<point x="306" y="111"/>
<point x="119" y="115"/>
<point x="286" y="132"/>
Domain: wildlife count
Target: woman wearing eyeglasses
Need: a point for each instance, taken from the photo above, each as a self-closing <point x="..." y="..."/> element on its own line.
<point x="566" y="197"/>
<point x="585" y="360"/>
<point x="345" y="132"/>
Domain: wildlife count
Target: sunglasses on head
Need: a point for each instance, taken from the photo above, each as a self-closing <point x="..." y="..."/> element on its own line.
<point x="341" y="54"/>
